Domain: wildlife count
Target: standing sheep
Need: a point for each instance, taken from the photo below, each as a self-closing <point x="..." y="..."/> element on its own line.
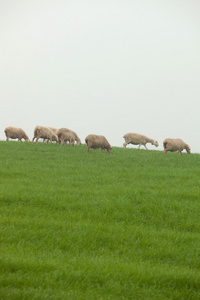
<point x="15" y="133"/>
<point x="66" y="136"/>
<point x="174" y="145"/>
<point x="138" y="139"/>
<point x="43" y="133"/>
<point x="97" y="141"/>
<point x="74" y="134"/>
<point x="55" y="131"/>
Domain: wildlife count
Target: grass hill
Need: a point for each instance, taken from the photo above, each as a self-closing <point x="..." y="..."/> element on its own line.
<point x="77" y="225"/>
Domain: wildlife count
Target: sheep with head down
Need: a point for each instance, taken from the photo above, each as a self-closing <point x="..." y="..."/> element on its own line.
<point x="97" y="141"/>
<point x="174" y="145"/>
<point x="138" y="139"/>
<point x="70" y="135"/>
<point x="65" y="136"/>
<point x="55" y="131"/>
<point x="43" y="133"/>
<point x="12" y="132"/>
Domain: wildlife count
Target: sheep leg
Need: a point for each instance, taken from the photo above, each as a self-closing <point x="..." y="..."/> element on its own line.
<point x="7" y="139"/>
<point x="145" y="146"/>
<point x="139" y="146"/>
<point x="37" y="140"/>
<point x="87" y="150"/>
<point x="124" y="145"/>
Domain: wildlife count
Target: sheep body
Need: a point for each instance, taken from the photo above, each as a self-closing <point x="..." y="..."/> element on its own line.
<point x="138" y="139"/>
<point x="43" y="133"/>
<point x="15" y="133"/>
<point x="74" y="134"/>
<point x="97" y="141"/>
<point x="55" y="131"/>
<point x="174" y="145"/>
<point x="65" y="136"/>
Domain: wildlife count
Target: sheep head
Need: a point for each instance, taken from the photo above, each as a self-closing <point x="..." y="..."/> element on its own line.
<point x="155" y="143"/>
<point x="188" y="149"/>
<point x="55" y="137"/>
<point x="109" y="149"/>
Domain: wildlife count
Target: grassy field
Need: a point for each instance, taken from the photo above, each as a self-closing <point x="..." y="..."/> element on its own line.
<point x="77" y="225"/>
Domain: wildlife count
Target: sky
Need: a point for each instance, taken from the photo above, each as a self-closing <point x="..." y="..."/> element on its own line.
<point x="103" y="67"/>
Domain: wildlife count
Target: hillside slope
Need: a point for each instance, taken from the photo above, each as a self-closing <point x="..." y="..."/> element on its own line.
<point x="77" y="225"/>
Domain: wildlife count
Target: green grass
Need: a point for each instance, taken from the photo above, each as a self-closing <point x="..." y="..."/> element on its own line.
<point x="77" y="225"/>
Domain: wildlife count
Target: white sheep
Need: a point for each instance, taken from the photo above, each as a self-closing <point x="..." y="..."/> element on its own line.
<point x="65" y="136"/>
<point x="174" y="145"/>
<point x="43" y="133"/>
<point x="55" y="131"/>
<point x="138" y="139"/>
<point x="15" y="133"/>
<point x="97" y="141"/>
<point x="74" y="134"/>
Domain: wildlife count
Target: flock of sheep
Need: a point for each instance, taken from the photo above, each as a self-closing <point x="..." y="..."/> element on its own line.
<point x="64" y="136"/>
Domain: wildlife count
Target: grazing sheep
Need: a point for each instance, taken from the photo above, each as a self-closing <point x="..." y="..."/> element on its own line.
<point x="55" y="131"/>
<point x="66" y="136"/>
<point x="174" y="145"/>
<point x="43" y="133"/>
<point x="15" y="133"/>
<point x="138" y="139"/>
<point x="75" y="136"/>
<point x="97" y="141"/>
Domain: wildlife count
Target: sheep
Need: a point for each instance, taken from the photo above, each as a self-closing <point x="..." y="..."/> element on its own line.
<point x="174" y="145"/>
<point x="65" y="136"/>
<point x="75" y="136"/>
<point x="97" y="141"/>
<point x="55" y="131"/>
<point x="15" y="133"/>
<point x="44" y="133"/>
<point x="138" y="139"/>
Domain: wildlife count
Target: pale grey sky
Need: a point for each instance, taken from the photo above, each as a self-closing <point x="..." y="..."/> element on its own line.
<point x="104" y="67"/>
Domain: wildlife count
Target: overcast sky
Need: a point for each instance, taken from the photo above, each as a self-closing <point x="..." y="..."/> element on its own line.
<point x="103" y="67"/>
